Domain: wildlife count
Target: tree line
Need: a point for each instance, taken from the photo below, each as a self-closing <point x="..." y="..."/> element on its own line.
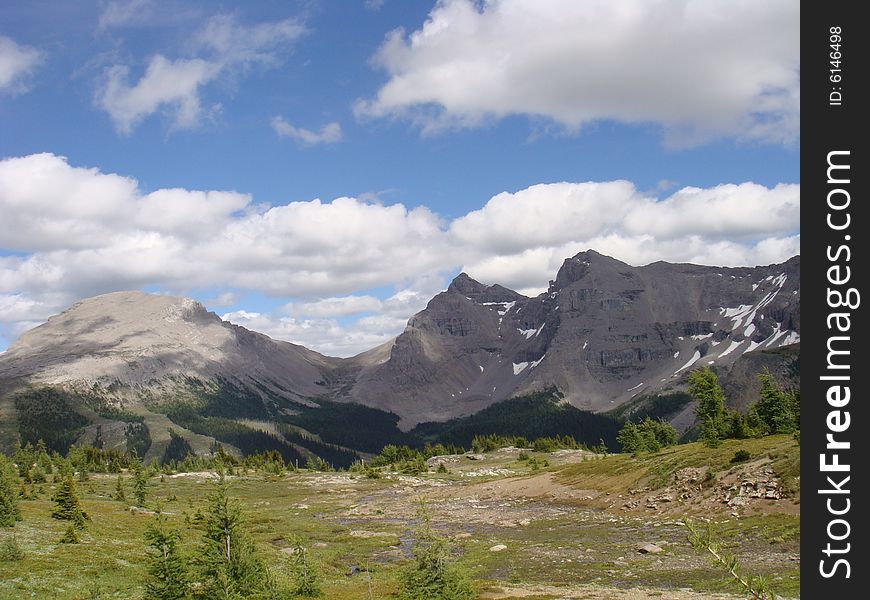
<point x="775" y="411"/>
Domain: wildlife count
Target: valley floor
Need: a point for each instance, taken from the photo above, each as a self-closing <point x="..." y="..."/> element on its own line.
<point x="572" y="529"/>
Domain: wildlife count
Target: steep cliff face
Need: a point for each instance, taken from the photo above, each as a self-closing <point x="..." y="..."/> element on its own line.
<point x="603" y="333"/>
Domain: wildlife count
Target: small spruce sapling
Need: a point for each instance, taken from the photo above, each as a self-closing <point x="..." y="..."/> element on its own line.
<point x="66" y="503"/>
<point x="432" y="576"/>
<point x="307" y="580"/>
<point x="120" y="495"/>
<point x="167" y="569"/>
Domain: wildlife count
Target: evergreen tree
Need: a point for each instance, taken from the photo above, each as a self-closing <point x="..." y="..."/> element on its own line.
<point x="657" y="434"/>
<point x="754" y="422"/>
<point x="737" y="425"/>
<point x="775" y="407"/>
<point x="630" y="439"/>
<point x="9" y="512"/>
<point x="70" y="536"/>
<point x="793" y="396"/>
<point x="231" y="567"/>
<point x="140" y="482"/>
<point x="167" y="570"/>
<point x="710" y="433"/>
<point x="177" y="448"/>
<point x="78" y="460"/>
<point x="36" y="475"/>
<point x="66" y="503"/>
<point x="704" y="387"/>
<point x="24" y="458"/>
<point x="62" y="466"/>
<point x="119" y="494"/>
<point x="42" y="457"/>
<point x="10" y="550"/>
<point x="307" y="582"/>
<point x="432" y="576"/>
<point x="649" y="436"/>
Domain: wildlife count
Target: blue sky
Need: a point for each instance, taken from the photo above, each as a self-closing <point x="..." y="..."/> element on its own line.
<point x="317" y="170"/>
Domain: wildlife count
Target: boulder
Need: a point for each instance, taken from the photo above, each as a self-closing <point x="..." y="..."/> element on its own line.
<point x="649" y="548"/>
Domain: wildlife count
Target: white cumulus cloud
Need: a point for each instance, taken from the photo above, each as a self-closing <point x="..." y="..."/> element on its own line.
<point x="516" y="238"/>
<point x="72" y="232"/>
<point x="223" y="48"/>
<point x="174" y="85"/>
<point x="17" y="64"/>
<point x="698" y="69"/>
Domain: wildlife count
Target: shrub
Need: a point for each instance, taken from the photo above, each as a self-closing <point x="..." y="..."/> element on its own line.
<point x="741" y="456"/>
<point x="10" y="550"/>
<point x="414" y="466"/>
<point x="70" y="536"/>
<point x="709" y="477"/>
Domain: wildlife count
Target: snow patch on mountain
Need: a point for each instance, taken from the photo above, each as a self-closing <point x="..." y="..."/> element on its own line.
<point x="520" y="367"/>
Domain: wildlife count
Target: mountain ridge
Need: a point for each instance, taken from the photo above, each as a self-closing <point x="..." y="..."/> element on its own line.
<point x="602" y="334"/>
<point x="601" y="324"/>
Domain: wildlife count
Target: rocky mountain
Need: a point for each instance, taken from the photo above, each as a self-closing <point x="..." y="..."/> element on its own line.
<point x="133" y="338"/>
<point x="603" y="334"/>
<point x="125" y="356"/>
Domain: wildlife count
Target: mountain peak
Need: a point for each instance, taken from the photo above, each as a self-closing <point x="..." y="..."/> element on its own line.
<point x="585" y="254"/>
<point x="582" y="264"/>
<point x="134" y="340"/>
<point x="463" y="283"/>
<point x="478" y="292"/>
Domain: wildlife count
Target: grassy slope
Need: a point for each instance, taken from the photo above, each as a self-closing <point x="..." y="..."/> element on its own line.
<point x="565" y="544"/>
<point x="623" y="472"/>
